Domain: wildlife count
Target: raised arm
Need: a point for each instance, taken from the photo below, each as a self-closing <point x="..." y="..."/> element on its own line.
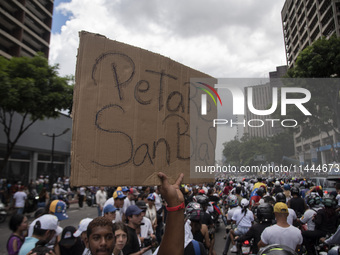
<point x="173" y="239"/>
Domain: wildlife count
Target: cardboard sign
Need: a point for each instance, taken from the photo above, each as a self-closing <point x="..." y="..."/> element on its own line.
<point x="130" y="115"/>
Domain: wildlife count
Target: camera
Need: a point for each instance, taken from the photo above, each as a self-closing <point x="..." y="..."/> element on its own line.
<point x="147" y="241"/>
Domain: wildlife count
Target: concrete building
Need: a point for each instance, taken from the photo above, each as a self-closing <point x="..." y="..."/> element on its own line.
<point x="32" y="155"/>
<point x="304" y="21"/>
<point x="262" y="99"/>
<point x="25" y="27"/>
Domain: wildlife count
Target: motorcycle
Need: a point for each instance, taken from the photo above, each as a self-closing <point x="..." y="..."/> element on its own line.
<point x="3" y="213"/>
<point x="244" y="247"/>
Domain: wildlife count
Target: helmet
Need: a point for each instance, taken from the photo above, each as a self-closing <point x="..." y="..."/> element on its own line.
<point x="329" y="202"/>
<point x="280" y="197"/>
<point x="313" y="200"/>
<point x="295" y="191"/>
<point x="232" y="201"/>
<point x="276" y="249"/>
<point x="193" y="211"/>
<point x="265" y="212"/>
<point x="286" y="186"/>
<point x="202" y="199"/>
<point x="260" y="191"/>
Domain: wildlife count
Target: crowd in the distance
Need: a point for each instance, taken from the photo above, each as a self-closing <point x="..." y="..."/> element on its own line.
<point x="273" y="214"/>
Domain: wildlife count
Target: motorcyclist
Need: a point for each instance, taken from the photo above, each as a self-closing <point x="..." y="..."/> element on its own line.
<point x="265" y="216"/>
<point x="297" y="203"/>
<point x="325" y="223"/>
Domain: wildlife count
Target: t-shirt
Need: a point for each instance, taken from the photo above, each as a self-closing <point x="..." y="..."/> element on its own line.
<point x="132" y="245"/>
<point x="20" y="198"/>
<point x="338" y="199"/>
<point x="307" y="217"/>
<point x="291" y="216"/>
<point x="28" y="245"/>
<point x="275" y="234"/>
<point x="145" y="231"/>
<point x="243" y="220"/>
<point x="127" y="203"/>
<point x="231" y="212"/>
<point x="20" y="241"/>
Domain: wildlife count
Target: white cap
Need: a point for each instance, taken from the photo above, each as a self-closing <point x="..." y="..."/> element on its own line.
<point x="277" y="183"/>
<point x="82" y="226"/>
<point x="47" y="222"/>
<point x="244" y="202"/>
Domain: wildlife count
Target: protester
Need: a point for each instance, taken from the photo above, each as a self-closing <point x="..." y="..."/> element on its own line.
<point x="110" y="212"/>
<point x="121" y="234"/>
<point x="69" y="244"/>
<point x="44" y="229"/>
<point x="281" y="232"/>
<point x="19" y="225"/>
<point x="82" y="233"/>
<point x="101" y="197"/>
<point x="151" y="212"/>
<point x="19" y="199"/>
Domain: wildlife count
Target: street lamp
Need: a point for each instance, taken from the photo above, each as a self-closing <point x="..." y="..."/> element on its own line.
<point x="53" y="136"/>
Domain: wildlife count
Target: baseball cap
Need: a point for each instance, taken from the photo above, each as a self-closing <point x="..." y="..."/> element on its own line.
<point x="134" y="192"/>
<point x="48" y="222"/>
<point x="141" y="204"/>
<point x="280" y="208"/>
<point x="244" y="202"/>
<point x="58" y="208"/>
<point x="118" y="194"/>
<point x="151" y="197"/>
<point x="119" y="188"/>
<point x="133" y="210"/>
<point x="124" y="189"/>
<point x="109" y="208"/>
<point x="82" y="226"/>
<point x="67" y="238"/>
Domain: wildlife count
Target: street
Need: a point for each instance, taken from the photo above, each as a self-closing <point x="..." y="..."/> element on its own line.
<point x="75" y="215"/>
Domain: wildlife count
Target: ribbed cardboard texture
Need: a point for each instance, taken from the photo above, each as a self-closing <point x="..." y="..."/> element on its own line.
<point x="130" y="115"/>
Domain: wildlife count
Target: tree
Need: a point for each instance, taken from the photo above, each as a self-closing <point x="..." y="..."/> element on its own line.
<point x="243" y="152"/>
<point x="319" y="60"/>
<point x="31" y="88"/>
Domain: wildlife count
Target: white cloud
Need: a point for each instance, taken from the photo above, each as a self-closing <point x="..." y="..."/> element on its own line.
<point x="221" y="38"/>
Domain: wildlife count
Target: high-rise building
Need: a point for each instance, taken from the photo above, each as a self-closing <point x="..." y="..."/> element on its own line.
<point x="305" y="21"/>
<point x="25" y="27"/>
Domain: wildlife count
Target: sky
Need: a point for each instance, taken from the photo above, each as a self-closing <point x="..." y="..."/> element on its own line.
<point x="222" y="38"/>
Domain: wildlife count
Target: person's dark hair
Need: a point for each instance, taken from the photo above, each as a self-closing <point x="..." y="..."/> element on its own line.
<point x="15" y="221"/>
<point x="244" y="209"/>
<point x="37" y="229"/>
<point x="40" y="248"/>
<point x="99" y="222"/>
<point x="195" y="226"/>
<point x="121" y="226"/>
<point x="40" y="212"/>
<point x="238" y="190"/>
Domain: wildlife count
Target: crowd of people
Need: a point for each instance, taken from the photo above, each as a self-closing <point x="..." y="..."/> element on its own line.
<point x="293" y="215"/>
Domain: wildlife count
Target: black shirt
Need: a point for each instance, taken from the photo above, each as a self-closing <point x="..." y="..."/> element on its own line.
<point x="298" y="205"/>
<point x="132" y="245"/>
<point x="255" y="232"/>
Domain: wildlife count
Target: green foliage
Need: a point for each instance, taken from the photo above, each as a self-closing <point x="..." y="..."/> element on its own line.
<point x="31" y="88"/>
<point x="319" y="60"/>
<point x="30" y="85"/>
<point x="243" y="152"/>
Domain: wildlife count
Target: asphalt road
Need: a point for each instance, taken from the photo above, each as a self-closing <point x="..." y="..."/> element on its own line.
<point x="75" y="215"/>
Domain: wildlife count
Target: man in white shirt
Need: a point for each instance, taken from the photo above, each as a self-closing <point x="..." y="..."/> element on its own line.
<point x="130" y="199"/>
<point x="281" y="233"/>
<point x="101" y="197"/>
<point x="117" y="200"/>
<point x="19" y="200"/>
<point x="146" y="230"/>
